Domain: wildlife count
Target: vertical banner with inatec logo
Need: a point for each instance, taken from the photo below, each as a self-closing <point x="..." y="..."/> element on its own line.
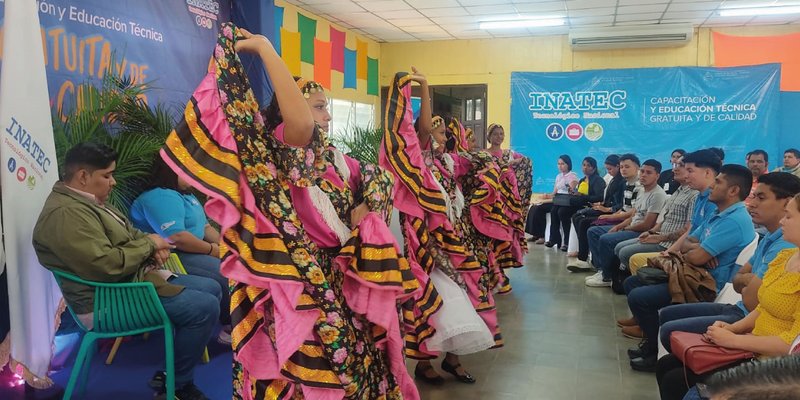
<point x="647" y="111"/>
<point x="29" y="170"/>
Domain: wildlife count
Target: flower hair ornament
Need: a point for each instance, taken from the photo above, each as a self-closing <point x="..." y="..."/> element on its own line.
<point x="308" y="87"/>
<point x="493" y="127"/>
<point x="436" y="122"/>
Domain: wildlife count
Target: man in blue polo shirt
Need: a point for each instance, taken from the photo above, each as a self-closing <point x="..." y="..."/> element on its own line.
<point x="714" y="244"/>
<point x="767" y="206"/>
<point x="702" y="168"/>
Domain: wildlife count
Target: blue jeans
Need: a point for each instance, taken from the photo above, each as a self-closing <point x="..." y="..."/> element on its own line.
<point x="602" y="243"/>
<point x="692" y="394"/>
<point x="208" y="266"/>
<point x="695" y="318"/>
<point x="644" y="302"/>
<point x="625" y="249"/>
<point x="193" y="312"/>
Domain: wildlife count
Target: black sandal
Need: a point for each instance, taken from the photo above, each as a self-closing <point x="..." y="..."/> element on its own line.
<point x="419" y="372"/>
<point x="452" y="369"/>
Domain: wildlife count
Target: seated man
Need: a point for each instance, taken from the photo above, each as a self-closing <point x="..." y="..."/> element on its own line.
<point x="667" y="178"/>
<point x="649" y="201"/>
<point x="702" y="168"/>
<point x="676" y="213"/>
<point x="758" y="163"/>
<point x="714" y="245"/>
<point x="103" y="246"/>
<point x="791" y="162"/>
<point x="773" y="192"/>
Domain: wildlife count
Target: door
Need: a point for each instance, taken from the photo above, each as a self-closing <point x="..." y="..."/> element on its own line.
<point x="465" y="102"/>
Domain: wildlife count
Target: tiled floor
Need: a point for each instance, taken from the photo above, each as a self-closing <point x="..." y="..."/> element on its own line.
<point x="561" y="342"/>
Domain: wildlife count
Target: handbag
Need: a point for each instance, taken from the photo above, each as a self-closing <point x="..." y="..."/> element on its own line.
<point x="562" y="199"/>
<point x="701" y="356"/>
<point x="652" y="276"/>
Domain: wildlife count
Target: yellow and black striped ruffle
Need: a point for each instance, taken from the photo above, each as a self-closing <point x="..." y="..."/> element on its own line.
<point x="191" y="147"/>
<point x="271" y="389"/>
<point x="379" y="264"/>
<point x="504" y="256"/>
<point x="416" y="317"/>
<point x="396" y="149"/>
<point x="247" y="322"/>
<point x="507" y="191"/>
<point x="309" y="366"/>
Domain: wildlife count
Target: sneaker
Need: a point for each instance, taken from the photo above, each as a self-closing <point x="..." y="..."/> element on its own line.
<point x="595" y="276"/>
<point x="224" y="338"/>
<point x="187" y="392"/>
<point x="641" y="350"/>
<point x="598" y="281"/>
<point x="579" y="266"/>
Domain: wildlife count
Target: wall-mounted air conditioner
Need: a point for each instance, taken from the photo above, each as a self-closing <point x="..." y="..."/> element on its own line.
<point x="666" y="35"/>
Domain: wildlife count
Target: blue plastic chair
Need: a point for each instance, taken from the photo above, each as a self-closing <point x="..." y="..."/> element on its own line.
<point x="120" y="309"/>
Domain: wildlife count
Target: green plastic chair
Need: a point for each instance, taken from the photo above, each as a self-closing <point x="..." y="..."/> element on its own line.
<point x="120" y="309"/>
<point x="173" y="264"/>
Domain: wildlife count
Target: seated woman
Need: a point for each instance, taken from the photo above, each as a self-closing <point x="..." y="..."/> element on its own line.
<point x="583" y="219"/>
<point x="590" y="190"/>
<point x="168" y="208"/>
<point x="768" y="331"/>
<point x="566" y="181"/>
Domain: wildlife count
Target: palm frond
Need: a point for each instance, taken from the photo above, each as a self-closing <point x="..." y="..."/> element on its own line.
<point x="114" y="113"/>
<point x="361" y="143"/>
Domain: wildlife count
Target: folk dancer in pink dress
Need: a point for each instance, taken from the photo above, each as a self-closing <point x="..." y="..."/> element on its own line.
<point x="315" y="274"/>
<point x="442" y="318"/>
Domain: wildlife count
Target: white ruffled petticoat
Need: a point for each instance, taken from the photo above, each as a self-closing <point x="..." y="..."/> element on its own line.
<point x="459" y="329"/>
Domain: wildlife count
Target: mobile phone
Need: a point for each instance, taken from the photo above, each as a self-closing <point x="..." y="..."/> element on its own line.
<point x="702" y="390"/>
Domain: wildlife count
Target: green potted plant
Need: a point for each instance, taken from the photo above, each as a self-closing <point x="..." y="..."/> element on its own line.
<point x="363" y="144"/>
<point x="115" y="113"/>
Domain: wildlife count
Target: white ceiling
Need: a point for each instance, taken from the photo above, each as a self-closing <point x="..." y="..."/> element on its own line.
<point x="415" y="20"/>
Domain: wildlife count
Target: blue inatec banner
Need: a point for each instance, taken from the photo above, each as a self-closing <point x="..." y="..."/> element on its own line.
<point x="648" y="111"/>
<point x="165" y="42"/>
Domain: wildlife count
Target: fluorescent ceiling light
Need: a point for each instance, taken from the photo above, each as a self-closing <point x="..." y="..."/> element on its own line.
<point x="521" y="23"/>
<point x="753" y="11"/>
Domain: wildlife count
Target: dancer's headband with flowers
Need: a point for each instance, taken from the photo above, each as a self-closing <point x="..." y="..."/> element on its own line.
<point x="493" y="127"/>
<point x="308" y="87"/>
<point x="436" y="122"/>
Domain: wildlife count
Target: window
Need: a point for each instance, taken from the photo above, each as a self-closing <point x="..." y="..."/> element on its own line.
<point x="346" y="114"/>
